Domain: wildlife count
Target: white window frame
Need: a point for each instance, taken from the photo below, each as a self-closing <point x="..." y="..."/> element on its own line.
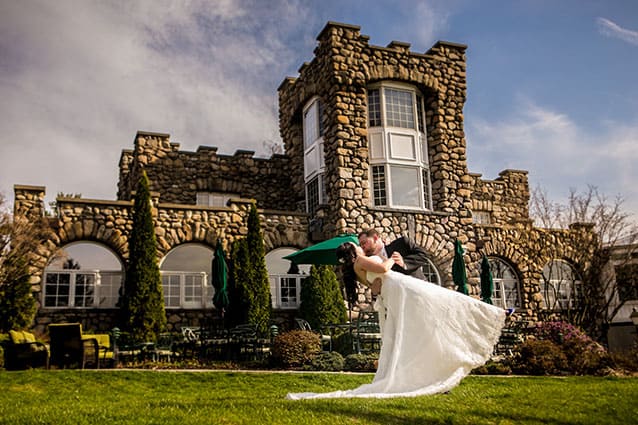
<point x="562" y="281"/>
<point x="204" y="300"/>
<point x="314" y="161"/>
<point x="405" y="147"/>
<point x="280" y="299"/>
<point x="214" y="199"/>
<point x="429" y="270"/>
<point x="106" y="286"/>
<point x="507" y="290"/>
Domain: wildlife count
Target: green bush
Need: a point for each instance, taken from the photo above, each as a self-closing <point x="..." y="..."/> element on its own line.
<point x="4" y="338"/>
<point x="539" y="357"/>
<point x="332" y="361"/>
<point x="296" y="348"/>
<point x="321" y="299"/>
<point x="360" y="363"/>
<point x="343" y="343"/>
<point x="493" y="368"/>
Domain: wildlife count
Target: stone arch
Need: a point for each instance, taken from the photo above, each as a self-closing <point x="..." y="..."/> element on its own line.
<point x="83" y="274"/>
<point x="89" y="231"/>
<point x="399" y="72"/>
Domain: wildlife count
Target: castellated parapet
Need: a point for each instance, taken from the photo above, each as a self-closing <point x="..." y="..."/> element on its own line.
<point x="179" y="175"/>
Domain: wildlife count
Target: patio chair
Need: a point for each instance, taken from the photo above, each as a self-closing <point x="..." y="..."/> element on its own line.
<point x="164" y="348"/>
<point x="106" y="351"/>
<point x="368" y="332"/>
<point x="215" y="344"/>
<point x="69" y="349"/>
<point x="22" y="351"/>
<point x="243" y="342"/>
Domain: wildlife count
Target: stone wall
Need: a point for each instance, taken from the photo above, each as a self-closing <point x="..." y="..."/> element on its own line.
<point x="505" y="199"/>
<point x="110" y="223"/>
<point x="179" y="175"/>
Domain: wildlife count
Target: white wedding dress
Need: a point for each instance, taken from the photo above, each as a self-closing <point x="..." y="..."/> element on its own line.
<point x="432" y="338"/>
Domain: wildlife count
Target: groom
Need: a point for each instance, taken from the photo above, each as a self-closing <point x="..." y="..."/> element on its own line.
<point x="407" y="255"/>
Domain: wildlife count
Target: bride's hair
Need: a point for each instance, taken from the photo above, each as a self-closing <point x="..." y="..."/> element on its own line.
<point x="346" y="255"/>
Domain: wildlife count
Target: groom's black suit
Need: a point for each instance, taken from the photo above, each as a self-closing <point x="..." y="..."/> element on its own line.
<point x="413" y="256"/>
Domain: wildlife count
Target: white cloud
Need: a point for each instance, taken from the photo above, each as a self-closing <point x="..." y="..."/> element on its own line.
<point x="558" y="154"/>
<point x="611" y="29"/>
<point x="78" y="79"/>
<point x="428" y="23"/>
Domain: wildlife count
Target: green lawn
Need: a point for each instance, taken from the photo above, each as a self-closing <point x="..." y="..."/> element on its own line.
<point x="223" y="397"/>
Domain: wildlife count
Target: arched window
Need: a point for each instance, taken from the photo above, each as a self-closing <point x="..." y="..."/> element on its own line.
<point x="506" y="284"/>
<point x="186" y="277"/>
<point x="83" y="275"/>
<point x="314" y="165"/>
<point x="561" y="286"/>
<point x="285" y="278"/>
<point x="399" y="169"/>
<point x="431" y="272"/>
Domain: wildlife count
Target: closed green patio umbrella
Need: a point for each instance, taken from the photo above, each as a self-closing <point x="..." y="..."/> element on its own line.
<point x="323" y="252"/>
<point x="487" y="283"/>
<point x="458" y="269"/>
<point x="220" y="279"/>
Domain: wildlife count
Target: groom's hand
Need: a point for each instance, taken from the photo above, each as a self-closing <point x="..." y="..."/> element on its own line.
<point x="398" y="259"/>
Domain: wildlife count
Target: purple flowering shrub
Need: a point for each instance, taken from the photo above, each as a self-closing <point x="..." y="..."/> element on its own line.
<point x="571" y="351"/>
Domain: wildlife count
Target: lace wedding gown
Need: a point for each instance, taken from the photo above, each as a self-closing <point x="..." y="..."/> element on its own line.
<point x="432" y="338"/>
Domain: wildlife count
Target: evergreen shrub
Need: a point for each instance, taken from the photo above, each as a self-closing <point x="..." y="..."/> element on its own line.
<point x="361" y="363"/>
<point x="333" y="362"/>
<point x="321" y="299"/>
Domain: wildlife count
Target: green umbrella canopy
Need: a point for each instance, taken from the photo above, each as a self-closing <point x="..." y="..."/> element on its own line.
<point x="487" y="283"/>
<point x="220" y="277"/>
<point x="323" y="252"/>
<point x="458" y="268"/>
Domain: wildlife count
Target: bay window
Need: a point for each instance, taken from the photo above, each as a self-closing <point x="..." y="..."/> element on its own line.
<point x="398" y="147"/>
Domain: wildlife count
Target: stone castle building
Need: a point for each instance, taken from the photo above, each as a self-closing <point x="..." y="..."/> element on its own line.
<point x="374" y="138"/>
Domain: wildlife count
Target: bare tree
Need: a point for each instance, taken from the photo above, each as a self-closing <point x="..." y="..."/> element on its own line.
<point x="592" y="294"/>
<point x="20" y="239"/>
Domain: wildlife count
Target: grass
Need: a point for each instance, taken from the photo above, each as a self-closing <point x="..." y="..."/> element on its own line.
<point x="223" y="397"/>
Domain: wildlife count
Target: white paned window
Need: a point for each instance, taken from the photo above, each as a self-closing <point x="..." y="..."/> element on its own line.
<point x="431" y="273"/>
<point x="406" y="188"/>
<point x="561" y="287"/>
<point x="81" y="289"/>
<point x="506" y="284"/>
<point x="314" y="165"/>
<point x="285" y="279"/>
<point x="378" y="183"/>
<point x="398" y="147"/>
<point x="399" y="108"/>
<point x="186" y="289"/>
<point x="214" y="199"/>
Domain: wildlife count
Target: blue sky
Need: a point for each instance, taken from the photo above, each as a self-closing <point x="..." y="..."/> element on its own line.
<point x="551" y="84"/>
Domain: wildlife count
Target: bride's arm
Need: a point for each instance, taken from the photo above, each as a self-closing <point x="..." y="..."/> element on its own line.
<point x="368" y="264"/>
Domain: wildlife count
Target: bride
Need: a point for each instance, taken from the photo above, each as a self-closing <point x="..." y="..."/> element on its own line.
<point x="432" y="337"/>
